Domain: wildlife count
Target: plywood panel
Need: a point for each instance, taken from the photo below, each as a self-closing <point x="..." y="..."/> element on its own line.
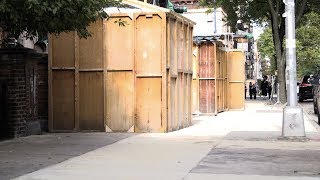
<point x="185" y="99"/>
<point x="120" y="43"/>
<point x="91" y="101"/>
<point x="91" y="49"/>
<point x="189" y="100"/>
<point x="63" y="100"/>
<point x="236" y="66"/>
<point x="181" y="46"/>
<point x="148" y="105"/>
<point x="63" y="50"/>
<point x="207" y="96"/>
<point x="173" y="104"/>
<point x="236" y="98"/>
<point x="174" y="47"/>
<point x="207" y="75"/>
<point x="181" y="97"/>
<point x="206" y="60"/>
<point x="195" y="79"/>
<point x="236" y="77"/>
<point x="148" y="45"/>
<point x="186" y="48"/>
<point x="120" y="99"/>
<point x="190" y="48"/>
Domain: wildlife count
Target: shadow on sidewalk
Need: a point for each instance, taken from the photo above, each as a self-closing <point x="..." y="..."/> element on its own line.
<point x="24" y="155"/>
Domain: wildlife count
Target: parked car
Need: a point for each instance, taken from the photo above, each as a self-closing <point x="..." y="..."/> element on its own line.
<point x="315" y="81"/>
<point x="305" y="89"/>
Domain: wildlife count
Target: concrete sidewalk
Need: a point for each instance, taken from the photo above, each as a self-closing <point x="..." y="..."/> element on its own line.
<point x="232" y="145"/>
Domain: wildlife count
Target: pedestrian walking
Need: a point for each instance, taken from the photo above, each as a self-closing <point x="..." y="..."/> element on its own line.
<point x="252" y="91"/>
<point x="264" y="87"/>
<point x="245" y="91"/>
<point x="269" y="89"/>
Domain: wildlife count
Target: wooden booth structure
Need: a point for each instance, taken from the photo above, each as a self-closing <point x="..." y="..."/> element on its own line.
<point x="221" y="78"/>
<point x="133" y="74"/>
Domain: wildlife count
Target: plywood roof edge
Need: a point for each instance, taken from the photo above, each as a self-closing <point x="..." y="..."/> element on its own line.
<point x="141" y="4"/>
<point x="138" y="4"/>
<point x="182" y="18"/>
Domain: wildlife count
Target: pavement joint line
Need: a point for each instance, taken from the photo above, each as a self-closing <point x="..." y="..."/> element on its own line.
<point x="213" y="147"/>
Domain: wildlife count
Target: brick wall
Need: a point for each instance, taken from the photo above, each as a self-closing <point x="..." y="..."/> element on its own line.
<point x="25" y="75"/>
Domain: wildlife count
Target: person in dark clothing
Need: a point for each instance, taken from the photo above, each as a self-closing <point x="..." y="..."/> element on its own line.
<point x="269" y="89"/>
<point x="264" y="87"/>
<point x="252" y="91"/>
<point x="245" y="91"/>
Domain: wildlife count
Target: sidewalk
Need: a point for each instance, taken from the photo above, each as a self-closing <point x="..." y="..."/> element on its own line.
<point x="232" y="145"/>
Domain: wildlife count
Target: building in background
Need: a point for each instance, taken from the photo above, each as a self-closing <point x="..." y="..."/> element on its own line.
<point x="208" y="24"/>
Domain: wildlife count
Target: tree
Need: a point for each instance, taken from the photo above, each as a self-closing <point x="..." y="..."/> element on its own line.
<point x="39" y="17"/>
<point x="308" y="49"/>
<point x="266" y="50"/>
<point x="266" y="11"/>
<point x="308" y="44"/>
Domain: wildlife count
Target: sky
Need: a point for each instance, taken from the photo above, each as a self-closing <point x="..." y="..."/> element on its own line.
<point x="257" y="30"/>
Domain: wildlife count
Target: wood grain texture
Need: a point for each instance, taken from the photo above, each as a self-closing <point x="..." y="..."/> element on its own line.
<point x="63" y="50"/>
<point x="63" y="100"/>
<point x="148" y="52"/>
<point x="236" y="78"/>
<point x="91" y="101"/>
<point x="120" y="43"/>
<point x="91" y="49"/>
<point x="148" y="105"/>
<point x="120" y="101"/>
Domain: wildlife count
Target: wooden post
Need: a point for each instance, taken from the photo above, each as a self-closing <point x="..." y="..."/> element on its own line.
<point x="76" y="82"/>
<point x="50" y="107"/>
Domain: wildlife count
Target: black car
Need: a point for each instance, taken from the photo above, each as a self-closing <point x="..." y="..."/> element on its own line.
<point x="305" y="89"/>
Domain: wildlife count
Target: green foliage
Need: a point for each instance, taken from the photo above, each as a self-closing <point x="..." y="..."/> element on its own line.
<point x="38" y="17"/>
<point x="267" y="51"/>
<point x="308" y="44"/>
<point x="121" y="22"/>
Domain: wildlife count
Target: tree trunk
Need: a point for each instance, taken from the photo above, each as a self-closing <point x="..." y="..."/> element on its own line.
<point x="278" y="32"/>
<point x="281" y="63"/>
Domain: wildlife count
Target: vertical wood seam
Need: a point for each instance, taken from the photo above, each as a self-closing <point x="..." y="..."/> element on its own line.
<point x="104" y="81"/>
<point x="216" y="81"/>
<point x="50" y="102"/>
<point x="76" y="83"/>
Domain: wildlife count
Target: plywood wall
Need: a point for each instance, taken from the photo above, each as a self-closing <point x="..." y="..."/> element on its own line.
<point x="134" y="74"/>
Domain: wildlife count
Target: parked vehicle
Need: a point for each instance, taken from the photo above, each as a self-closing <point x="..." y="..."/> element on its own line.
<point x="305" y="89"/>
<point x="316" y="95"/>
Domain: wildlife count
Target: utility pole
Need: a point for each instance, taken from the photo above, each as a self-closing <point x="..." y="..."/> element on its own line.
<point x="293" y="123"/>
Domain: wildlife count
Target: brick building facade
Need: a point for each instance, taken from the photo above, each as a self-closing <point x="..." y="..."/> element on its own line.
<point x="23" y="92"/>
